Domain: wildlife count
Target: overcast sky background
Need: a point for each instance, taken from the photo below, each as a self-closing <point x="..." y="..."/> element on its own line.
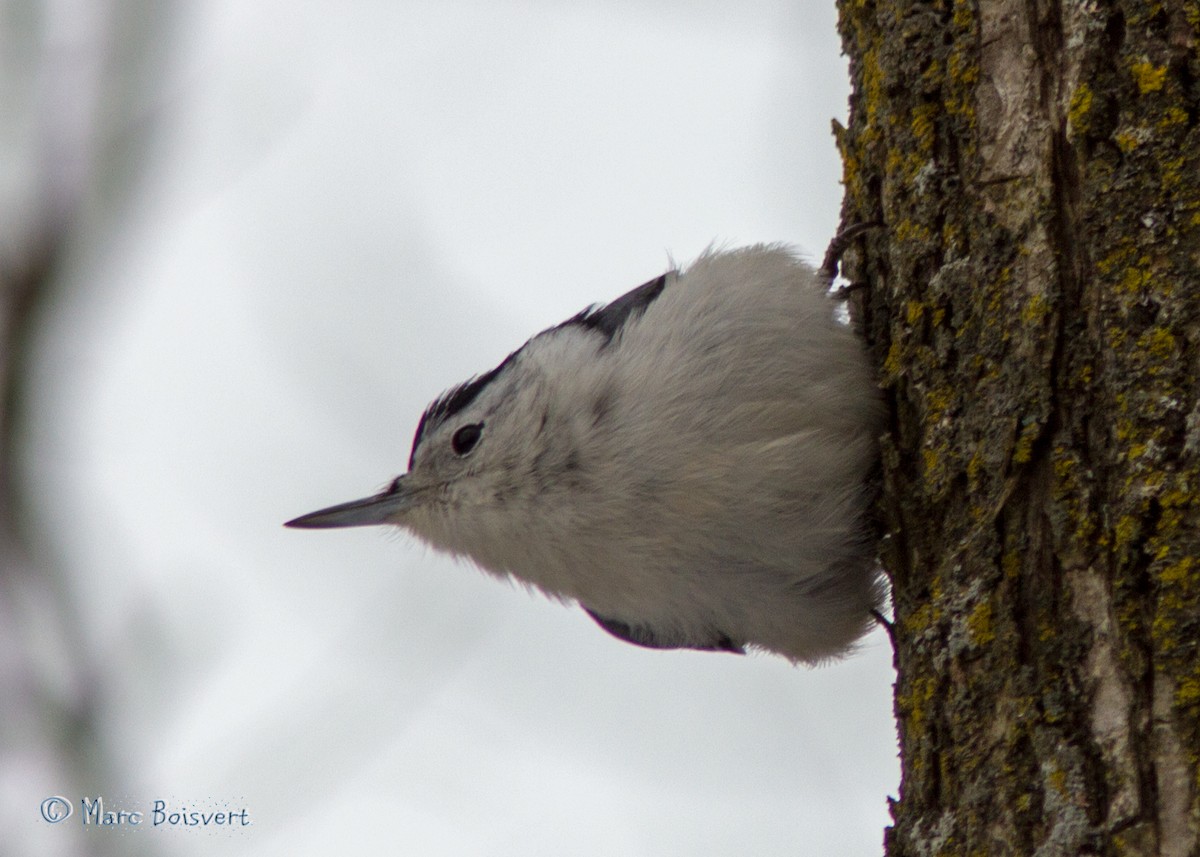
<point x="344" y="210"/>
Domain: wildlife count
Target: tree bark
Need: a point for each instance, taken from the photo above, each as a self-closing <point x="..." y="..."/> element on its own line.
<point x="1033" y="307"/>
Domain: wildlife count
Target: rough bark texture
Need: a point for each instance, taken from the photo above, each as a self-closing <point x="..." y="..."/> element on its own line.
<point x="1034" y="310"/>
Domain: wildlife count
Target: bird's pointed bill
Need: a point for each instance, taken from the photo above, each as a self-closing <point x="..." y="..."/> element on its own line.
<point x="367" y="512"/>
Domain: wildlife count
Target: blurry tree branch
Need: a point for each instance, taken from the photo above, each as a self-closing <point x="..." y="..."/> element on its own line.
<point x="79" y="95"/>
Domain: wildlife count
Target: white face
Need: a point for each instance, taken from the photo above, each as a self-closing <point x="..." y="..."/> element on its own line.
<point x="488" y="457"/>
<point x="486" y="473"/>
<point x="500" y="468"/>
<point x="469" y="461"/>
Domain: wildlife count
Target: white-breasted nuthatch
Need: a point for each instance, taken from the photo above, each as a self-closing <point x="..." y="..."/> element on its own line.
<point x="691" y="463"/>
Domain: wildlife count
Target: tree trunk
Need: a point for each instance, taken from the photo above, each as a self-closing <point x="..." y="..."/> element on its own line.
<point x="1033" y="307"/>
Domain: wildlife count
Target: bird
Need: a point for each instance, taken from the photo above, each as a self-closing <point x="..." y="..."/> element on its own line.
<point x="692" y="463"/>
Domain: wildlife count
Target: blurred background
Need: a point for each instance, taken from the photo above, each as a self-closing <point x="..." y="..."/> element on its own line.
<point x="242" y="245"/>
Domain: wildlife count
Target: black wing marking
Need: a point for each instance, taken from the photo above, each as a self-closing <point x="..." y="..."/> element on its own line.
<point x="610" y="318"/>
<point x="647" y="639"/>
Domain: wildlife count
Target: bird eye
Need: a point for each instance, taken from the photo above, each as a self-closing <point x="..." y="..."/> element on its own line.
<point x="465" y="438"/>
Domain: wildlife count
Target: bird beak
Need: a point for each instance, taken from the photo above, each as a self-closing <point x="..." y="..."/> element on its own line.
<point x="383" y="508"/>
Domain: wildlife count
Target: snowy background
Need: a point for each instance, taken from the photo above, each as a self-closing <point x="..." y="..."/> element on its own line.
<point x="330" y="213"/>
